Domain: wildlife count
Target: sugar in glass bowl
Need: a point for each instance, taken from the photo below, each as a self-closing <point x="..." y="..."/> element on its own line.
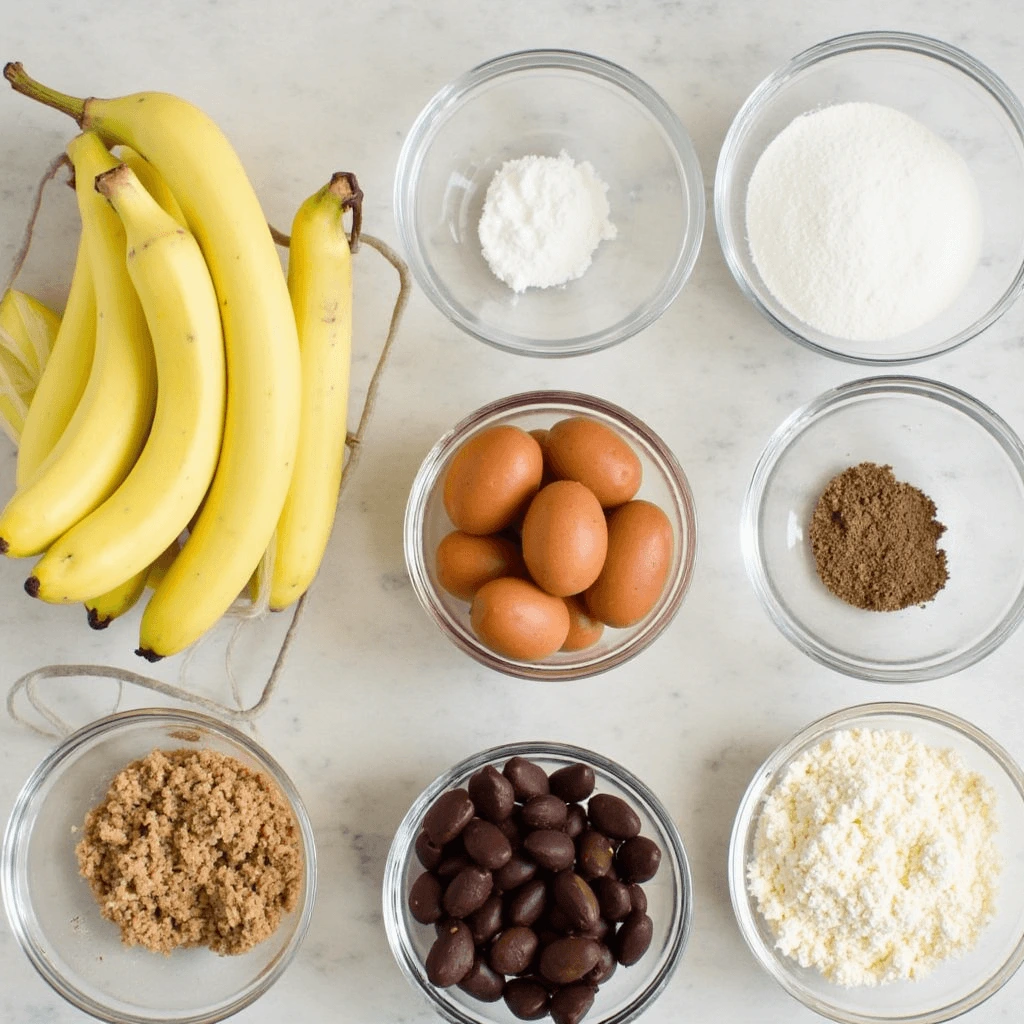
<point x="948" y="91"/>
<point x="955" y="986"/>
<point x="948" y="445"/>
<point x="54" y="915"/>
<point x="630" y="990"/>
<point x="664" y="484"/>
<point x="540" y="102"/>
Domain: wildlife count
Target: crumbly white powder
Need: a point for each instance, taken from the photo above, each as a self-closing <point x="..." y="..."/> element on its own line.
<point x="874" y="857"/>
<point x="543" y="218"/>
<point x="862" y="222"/>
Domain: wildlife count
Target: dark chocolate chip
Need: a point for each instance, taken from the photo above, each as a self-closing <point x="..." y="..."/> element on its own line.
<point x="448" y="816"/>
<point x="569" y="1005"/>
<point x="468" y="891"/>
<point x="528" y="779"/>
<point x="492" y="794"/>
<point x="517" y="871"/>
<point x="613" y="816"/>
<point x="486" y="922"/>
<point x="594" y="853"/>
<point x="575" y="821"/>
<point x="545" y="811"/>
<point x="527" y="998"/>
<point x="425" y="898"/>
<point x="451" y="956"/>
<point x="637" y="898"/>
<point x="528" y="903"/>
<point x="574" y="896"/>
<point x="550" y="849"/>
<point x="603" y="969"/>
<point x="573" y="783"/>
<point x="512" y="951"/>
<point x="483" y="983"/>
<point x="486" y="844"/>
<point x="568" y="959"/>
<point x="613" y="899"/>
<point x="633" y="938"/>
<point x="429" y="855"/>
<point x="638" y="859"/>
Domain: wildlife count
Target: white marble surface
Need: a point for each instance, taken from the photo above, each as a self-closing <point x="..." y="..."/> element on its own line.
<point x="376" y="702"/>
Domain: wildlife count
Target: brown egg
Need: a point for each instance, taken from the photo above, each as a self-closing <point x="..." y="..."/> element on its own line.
<point x="584" y="631"/>
<point x="541" y="437"/>
<point x="583" y="449"/>
<point x="491" y="479"/>
<point x="517" y="619"/>
<point x="640" y="544"/>
<point x="565" y="538"/>
<point x="466" y="562"/>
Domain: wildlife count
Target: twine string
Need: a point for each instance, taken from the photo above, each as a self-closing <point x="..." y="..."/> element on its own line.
<point x="243" y="613"/>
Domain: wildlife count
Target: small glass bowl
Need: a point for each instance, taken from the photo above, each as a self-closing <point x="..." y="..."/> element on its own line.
<point x="936" y="438"/>
<point x="955" y="96"/>
<point x="55" y="917"/>
<point x="630" y="990"/>
<point x="541" y="102"/>
<point x="957" y="985"/>
<point x="427" y="522"/>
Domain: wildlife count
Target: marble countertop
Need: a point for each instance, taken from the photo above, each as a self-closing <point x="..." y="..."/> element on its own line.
<point x="375" y="702"/>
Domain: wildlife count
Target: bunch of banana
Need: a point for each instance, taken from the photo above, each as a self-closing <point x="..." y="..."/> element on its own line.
<point x="189" y="416"/>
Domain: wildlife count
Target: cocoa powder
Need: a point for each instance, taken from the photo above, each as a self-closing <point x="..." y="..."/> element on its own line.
<point x="875" y="540"/>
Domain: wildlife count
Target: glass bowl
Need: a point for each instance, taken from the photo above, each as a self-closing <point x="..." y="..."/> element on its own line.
<point x="957" y="985"/>
<point x="541" y="102"/>
<point x="427" y="522"/>
<point x="952" y="94"/>
<point x="630" y="990"/>
<point x="940" y="440"/>
<point x="55" y="917"/>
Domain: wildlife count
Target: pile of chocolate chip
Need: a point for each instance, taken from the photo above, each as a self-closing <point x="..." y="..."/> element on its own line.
<point x="534" y="897"/>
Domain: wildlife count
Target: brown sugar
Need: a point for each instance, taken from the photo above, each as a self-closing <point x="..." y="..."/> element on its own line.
<point x="192" y="848"/>
<point x="875" y="540"/>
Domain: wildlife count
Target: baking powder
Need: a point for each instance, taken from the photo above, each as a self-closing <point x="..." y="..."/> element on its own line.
<point x="543" y="218"/>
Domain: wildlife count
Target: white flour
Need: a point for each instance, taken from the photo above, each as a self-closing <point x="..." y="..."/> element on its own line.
<point x="862" y="222"/>
<point x="874" y="857"/>
<point x="543" y="218"/>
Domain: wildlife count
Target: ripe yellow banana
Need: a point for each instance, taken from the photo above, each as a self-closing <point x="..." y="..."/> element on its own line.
<point x="262" y="422"/>
<point x="65" y="374"/>
<point x="109" y="427"/>
<point x="320" y="284"/>
<point x="130" y="530"/>
<point x="152" y="182"/>
<point x="158" y="570"/>
<point x="117" y="601"/>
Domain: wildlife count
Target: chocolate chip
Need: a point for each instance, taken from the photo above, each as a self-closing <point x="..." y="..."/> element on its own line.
<point x="568" y="959"/>
<point x="451" y="864"/>
<point x="512" y="951"/>
<point x="526" y="998"/>
<point x="545" y="811"/>
<point x="486" y="844"/>
<point x="638" y="859"/>
<point x="573" y="783"/>
<point x="637" y="898"/>
<point x="429" y="855"/>
<point x="483" y="983"/>
<point x="595" y="853"/>
<point x="569" y="1005"/>
<point x="613" y="816"/>
<point x="468" y="891"/>
<point x="633" y="938"/>
<point x="448" y="816"/>
<point x="550" y="849"/>
<point x="574" y="896"/>
<point x="603" y="969"/>
<point x="425" y="898"/>
<point x="517" y="871"/>
<point x="451" y="956"/>
<point x="528" y="903"/>
<point x="486" y="922"/>
<point x="613" y="899"/>
<point x="528" y="779"/>
<point x="575" y="821"/>
<point x="492" y="794"/>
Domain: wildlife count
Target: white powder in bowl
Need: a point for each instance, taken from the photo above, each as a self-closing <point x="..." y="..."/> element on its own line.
<point x="543" y="218"/>
<point x="862" y="222"/>
<point x="874" y="857"/>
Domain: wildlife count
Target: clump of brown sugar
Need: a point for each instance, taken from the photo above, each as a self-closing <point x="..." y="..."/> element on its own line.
<point x="192" y="848"/>
<point x="875" y="540"/>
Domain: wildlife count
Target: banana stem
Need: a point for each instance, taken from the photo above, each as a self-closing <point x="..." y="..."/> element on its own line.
<point x="343" y="184"/>
<point x="109" y="182"/>
<point x="28" y="86"/>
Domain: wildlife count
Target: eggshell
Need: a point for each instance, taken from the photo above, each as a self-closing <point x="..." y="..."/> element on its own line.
<point x="565" y="538"/>
<point x="640" y="544"/>
<point x="587" y="451"/>
<point x="515" y="618"/>
<point x="584" y="630"/>
<point x="491" y="479"/>
<point x="466" y="562"/>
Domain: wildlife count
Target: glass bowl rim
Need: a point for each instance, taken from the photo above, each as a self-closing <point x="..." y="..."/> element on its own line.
<point x="792" y="427"/>
<point x="427" y="478"/>
<point x="910" y="42"/>
<point x="19" y="832"/>
<point x="761" y="783"/>
<point x="436" y="112"/>
<point x="394" y="897"/>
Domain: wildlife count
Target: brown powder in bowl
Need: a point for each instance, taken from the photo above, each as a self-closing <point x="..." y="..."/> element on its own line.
<point x="192" y="848"/>
<point x="875" y="540"/>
